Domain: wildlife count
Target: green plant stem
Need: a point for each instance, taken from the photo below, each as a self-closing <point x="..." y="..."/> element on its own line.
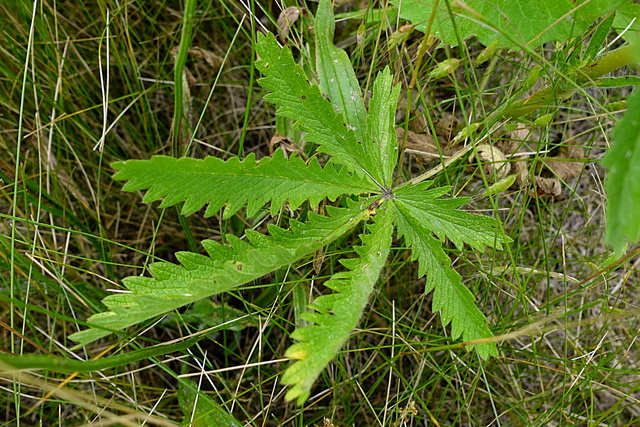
<point x="252" y="78"/>
<point x="59" y="364"/>
<point x="454" y="158"/>
<point x="608" y="63"/>
<point x="421" y="52"/>
<point x="16" y="180"/>
<point x="178" y="83"/>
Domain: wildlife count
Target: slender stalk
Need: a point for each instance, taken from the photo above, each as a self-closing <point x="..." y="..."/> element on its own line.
<point x="558" y="90"/>
<point x="421" y="52"/>
<point x="252" y="78"/>
<point x="59" y="364"/>
<point x="178" y="82"/>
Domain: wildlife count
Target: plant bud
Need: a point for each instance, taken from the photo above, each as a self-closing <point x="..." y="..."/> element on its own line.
<point x="444" y="68"/>
<point x="486" y="54"/>
<point x="532" y="78"/>
<point x="400" y="36"/>
<point x="501" y="185"/>
<point x="544" y="120"/>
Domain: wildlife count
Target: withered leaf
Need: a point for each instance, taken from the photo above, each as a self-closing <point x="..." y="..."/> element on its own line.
<point x="286" y="19"/>
<point x="563" y="168"/>
<point x="493" y="161"/>
<point x="422" y="145"/>
<point x="546" y="187"/>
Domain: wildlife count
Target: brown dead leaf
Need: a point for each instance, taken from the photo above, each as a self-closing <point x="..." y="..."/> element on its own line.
<point x="446" y="126"/>
<point x="512" y="141"/>
<point x="422" y="145"/>
<point x="546" y="187"/>
<point x="211" y="59"/>
<point x="542" y="186"/>
<point x="286" y="19"/>
<point x="520" y="168"/>
<point x="522" y="132"/>
<point x="326" y="422"/>
<point x="203" y="64"/>
<point x="418" y="123"/>
<point x="284" y="143"/>
<point x="493" y="161"/>
<point x="563" y="168"/>
<point x="549" y="175"/>
<point x="318" y="261"/>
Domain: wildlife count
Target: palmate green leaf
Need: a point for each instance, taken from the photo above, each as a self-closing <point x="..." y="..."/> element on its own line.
<point x="335" y="73"/>
<point x="237" y="183"/>
<point x="301" y="101"/>
<point x="513" y="23"/>
<point x="226" y="267"/>
<point x="622" y="184"/>
<point x="336" y="315"/>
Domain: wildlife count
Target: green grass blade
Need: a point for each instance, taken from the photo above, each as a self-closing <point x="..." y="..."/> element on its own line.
<point x="68" y="366"/>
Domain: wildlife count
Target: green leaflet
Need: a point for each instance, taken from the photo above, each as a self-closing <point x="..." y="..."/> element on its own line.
<point x="445" y="220"/>
<point x="237" y="183"/>
<point x="302" y="102"/>
<point x="420" y="213"/>
<point x="336" y="315"/>
<point x="513" y="23"/>
<point x="225" y="268"/>
<point x="335" y="73"/>
<point x="622" y="184"/>
<point x="454" y="301"/>
<point x="382" y="142"/>
<point x="375" y="130"/>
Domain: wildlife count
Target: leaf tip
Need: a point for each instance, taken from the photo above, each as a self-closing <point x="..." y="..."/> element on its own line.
<point x="296" y="354"/>
<point x="298" y="395"/>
